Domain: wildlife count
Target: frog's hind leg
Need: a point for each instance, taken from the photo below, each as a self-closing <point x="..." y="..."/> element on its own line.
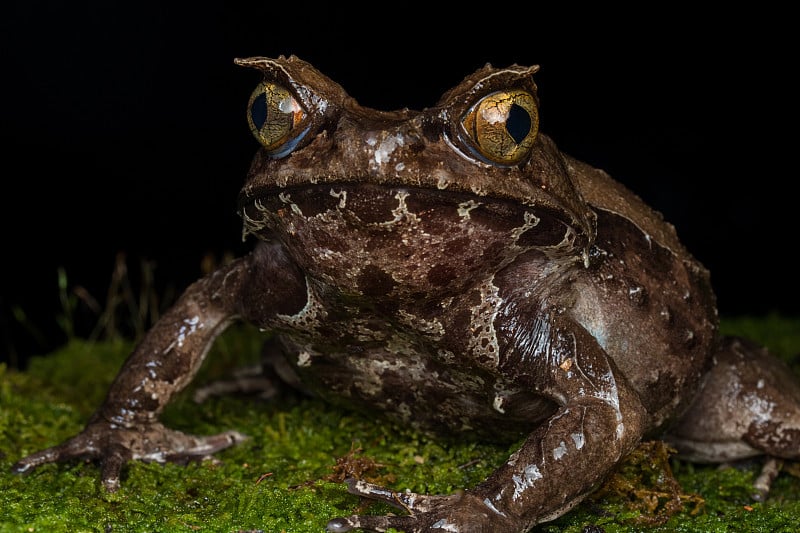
<point x="749" y="405"/>
<point x="264" y="380"/>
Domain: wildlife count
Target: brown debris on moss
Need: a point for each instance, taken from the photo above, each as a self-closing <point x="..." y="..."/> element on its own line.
<point x="644" y="482"/>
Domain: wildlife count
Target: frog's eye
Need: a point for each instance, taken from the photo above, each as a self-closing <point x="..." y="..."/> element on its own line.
<point x="502" y="126"/>
<point x="276" y="118"/>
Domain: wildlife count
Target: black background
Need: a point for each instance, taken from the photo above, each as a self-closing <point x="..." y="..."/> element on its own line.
<point x="123" y="127"/>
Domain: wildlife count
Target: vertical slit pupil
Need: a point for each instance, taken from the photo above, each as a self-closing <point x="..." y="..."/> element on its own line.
<point x="258" y="111"/>
<point x="518" y="123"/>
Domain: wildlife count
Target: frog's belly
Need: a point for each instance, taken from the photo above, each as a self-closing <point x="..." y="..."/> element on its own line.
<point x="423" y="391"/>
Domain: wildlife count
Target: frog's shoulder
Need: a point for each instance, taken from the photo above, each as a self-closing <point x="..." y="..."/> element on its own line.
<point x="601" y="191"/>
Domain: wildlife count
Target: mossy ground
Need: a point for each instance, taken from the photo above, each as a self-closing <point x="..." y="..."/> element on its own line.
<point x="285" y="477"/>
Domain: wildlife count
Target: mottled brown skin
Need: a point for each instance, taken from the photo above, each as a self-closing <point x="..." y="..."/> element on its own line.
<point x="410" y="265"/>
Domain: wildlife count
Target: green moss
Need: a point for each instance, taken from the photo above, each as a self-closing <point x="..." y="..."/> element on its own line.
<point x="285" y="477"/>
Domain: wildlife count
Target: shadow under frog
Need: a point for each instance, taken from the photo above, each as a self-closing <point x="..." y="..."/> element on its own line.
<point x="452" y="268"/>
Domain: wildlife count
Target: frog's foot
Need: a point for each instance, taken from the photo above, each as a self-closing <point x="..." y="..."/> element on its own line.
<point x="114" y="446"/>
<point x="460" y="512"/>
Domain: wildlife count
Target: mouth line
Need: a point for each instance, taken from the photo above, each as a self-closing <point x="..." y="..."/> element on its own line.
<point x="377" y="203"/>
<point x="335" y="188"/>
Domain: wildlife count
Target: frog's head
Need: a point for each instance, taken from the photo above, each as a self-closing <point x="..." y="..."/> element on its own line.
<point x="407" y="200"/>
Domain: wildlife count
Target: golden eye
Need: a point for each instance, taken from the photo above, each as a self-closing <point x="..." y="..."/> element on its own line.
<point x="502" y="126"/>
<point x="276" y="118"/>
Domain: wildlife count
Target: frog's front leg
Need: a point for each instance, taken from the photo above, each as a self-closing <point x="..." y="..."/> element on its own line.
<point x="599" y="420"/>
<point x="126" y="426"/>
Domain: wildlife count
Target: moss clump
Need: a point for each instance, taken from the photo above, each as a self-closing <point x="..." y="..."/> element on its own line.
<point x="284" y="478"/>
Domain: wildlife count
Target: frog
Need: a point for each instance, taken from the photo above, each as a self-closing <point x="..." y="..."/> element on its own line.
<point x="454" y="270"/>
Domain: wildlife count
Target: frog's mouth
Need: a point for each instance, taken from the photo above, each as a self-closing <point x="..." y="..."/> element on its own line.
<point x="356" y="208"/>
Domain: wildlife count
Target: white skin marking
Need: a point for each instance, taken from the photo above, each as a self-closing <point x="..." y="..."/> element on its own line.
<point x="311" y="312"/>
<point x="478" y="190"/>
<point x="465" y="207"/>
<point x="491" y="506"/>
<point x="322" y="105"/>
<point x="520" y="485"/>
<point x="532" y="473"/>
<point x="443" y="178"/>
<point x="401" y="211"/>
<point x="530" y="221"/>
<point x="150" y="366"/>
<point x="526" y="481"/>
<point x="342" y="196"/>
<point x="304" y="359"/>
<point x="761" y="408"/>
<point x="579" y="439"/>
<point x="498" y="403"/>
<point x="483" y="316"/>
<point x="560" y="451"/>
<point x="384" y="150"/>
<point x="190" y="325"/>
<point x="252" y="225"/>
<point x="445" y="525"/>
<point x="156" y="457"/>
<point x="287" y="199"/>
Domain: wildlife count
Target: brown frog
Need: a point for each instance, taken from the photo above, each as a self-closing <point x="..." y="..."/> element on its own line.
<point x="452" y="268"/>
